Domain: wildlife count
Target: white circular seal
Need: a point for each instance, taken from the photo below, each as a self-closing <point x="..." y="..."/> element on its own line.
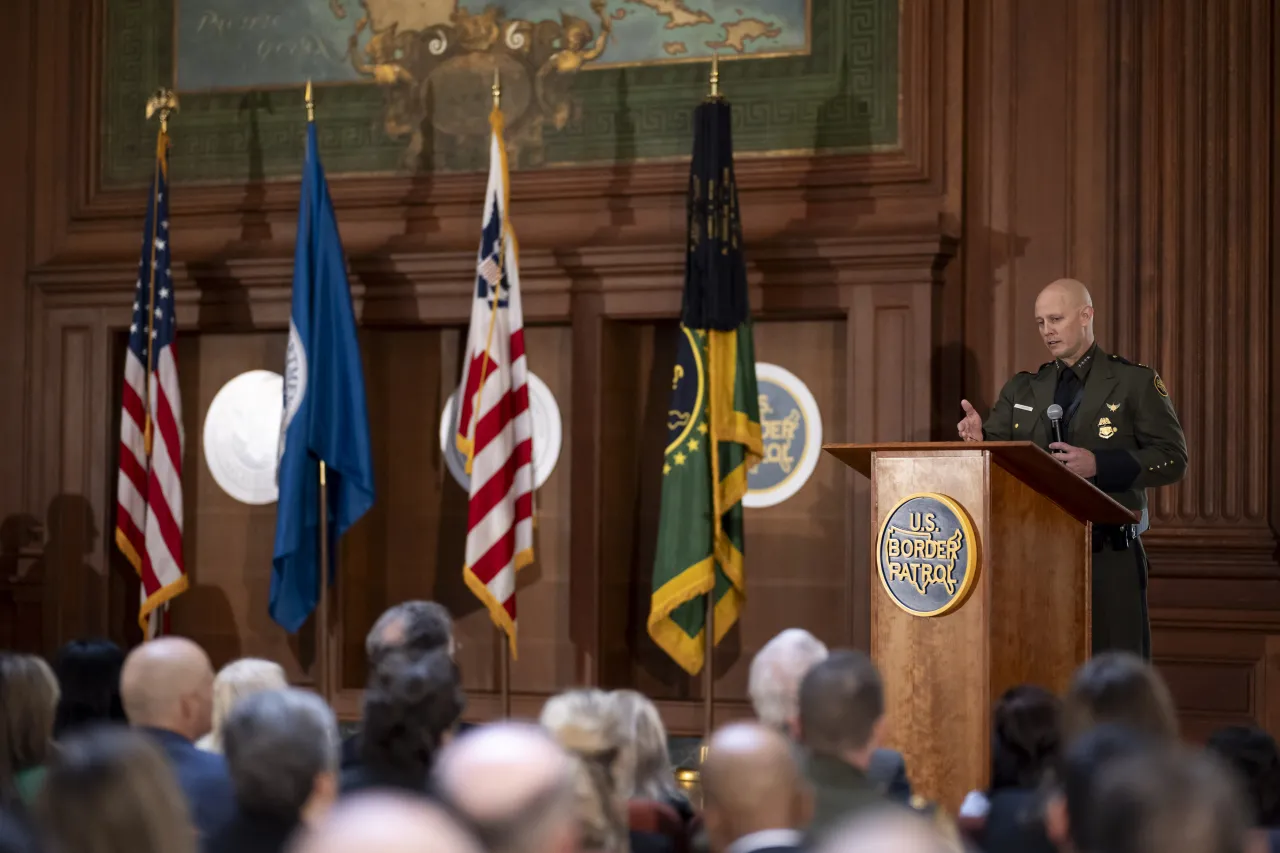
<point x="791" y="430"/>
<point x="546" y="435"/>
<point x="241" y="434"/>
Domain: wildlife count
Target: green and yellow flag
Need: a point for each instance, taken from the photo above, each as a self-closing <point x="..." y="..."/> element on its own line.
<point x="713" y="422"/>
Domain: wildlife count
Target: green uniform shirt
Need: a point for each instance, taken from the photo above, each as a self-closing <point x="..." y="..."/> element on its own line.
<point x="1125" y="418"/>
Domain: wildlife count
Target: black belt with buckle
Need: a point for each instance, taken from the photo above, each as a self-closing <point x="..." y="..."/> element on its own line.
<point x="1118" y="536"/>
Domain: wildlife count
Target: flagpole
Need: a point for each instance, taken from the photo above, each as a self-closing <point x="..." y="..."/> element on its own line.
<point x="324" y="650"/>
<point x="709" y="622"/>
<point x="504" y="673"/>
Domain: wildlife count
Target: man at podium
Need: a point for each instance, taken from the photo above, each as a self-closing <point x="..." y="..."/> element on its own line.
<point x="1107" y="420"/>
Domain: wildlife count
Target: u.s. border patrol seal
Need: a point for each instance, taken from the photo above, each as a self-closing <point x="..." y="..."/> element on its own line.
<point x="927" y="554"/>
<point x="239" y="436"/>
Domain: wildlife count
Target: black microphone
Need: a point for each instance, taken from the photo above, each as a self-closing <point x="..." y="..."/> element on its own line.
<point x="1055" y="418"/>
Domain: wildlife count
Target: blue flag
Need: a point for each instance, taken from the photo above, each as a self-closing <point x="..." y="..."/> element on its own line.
<point x="325" y="418"/>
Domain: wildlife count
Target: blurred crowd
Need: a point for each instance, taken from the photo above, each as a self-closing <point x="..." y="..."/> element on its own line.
<point x="151" y="752"/>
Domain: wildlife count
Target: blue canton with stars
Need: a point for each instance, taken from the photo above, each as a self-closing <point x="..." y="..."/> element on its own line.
<point x="491" y="268"/>
<point x="153" y="299"/>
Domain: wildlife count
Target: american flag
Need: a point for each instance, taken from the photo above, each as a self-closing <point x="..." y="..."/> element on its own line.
<point x="149" y="486"/>
<point x="495" y="430"/>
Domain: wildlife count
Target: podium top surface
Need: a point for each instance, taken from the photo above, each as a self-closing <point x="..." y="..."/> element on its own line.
<point x="1024" y="460"/>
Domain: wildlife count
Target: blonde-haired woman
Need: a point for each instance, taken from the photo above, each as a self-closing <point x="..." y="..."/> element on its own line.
<point x="645" y="770"/>
<point x="586" y="724"/>
<point x="110" y="790"/>
<point x="28" y="704"/>
<point x="234" y="682"/>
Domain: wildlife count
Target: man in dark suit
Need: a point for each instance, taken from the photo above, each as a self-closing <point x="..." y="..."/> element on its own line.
<point x="754" y="798"/>
<point x="282" y="749"/>
<point x="166" y="687"/>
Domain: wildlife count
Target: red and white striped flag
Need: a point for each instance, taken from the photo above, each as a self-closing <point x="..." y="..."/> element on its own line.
<point x="495" y="429"/>
<point x="149" y="486"/>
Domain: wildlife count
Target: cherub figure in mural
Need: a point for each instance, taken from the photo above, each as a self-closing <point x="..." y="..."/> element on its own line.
<point x="477" y="32"/>
<point x="382" y="55"/>
<point x="577" y="50"/>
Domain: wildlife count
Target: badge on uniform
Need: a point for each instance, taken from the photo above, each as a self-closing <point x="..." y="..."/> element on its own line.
<point x="1160" y="386"/>
<point x="1105" y="429"/>
<point x="1113" y="406"/>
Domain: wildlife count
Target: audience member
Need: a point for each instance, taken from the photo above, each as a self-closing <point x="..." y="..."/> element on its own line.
<point x="585" y="723"/>
<point x="167" y="689"/>
<point x="413" y="626"/>
<point x="109" y="790"/>
<point x="1121" y="688"/>
<point x="411" y="704"/>
<point x="16" y="835"/>
<point x="387" y="823"/>
<point x="1025" y="742"/>
<point x="1166" y="801"/>
<point x="774" y="686"/>
<point x="1252" y="754"/>
<point x="282" y="750"/>
<point x="235" y="681"/>
<point x="28" y="702"/>
<point x="645" y="769"/>
<point x="841" y="719"/>
<point x="754" y="797"/>
<point x="1085" y="762"/>
<point x="89" y="680"/>
<point x="513" y="786"/>
<point x="887" y="830"/>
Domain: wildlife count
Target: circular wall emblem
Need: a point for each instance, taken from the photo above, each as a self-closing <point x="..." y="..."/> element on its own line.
<point x="241" y="436"/>
<point x="546" y="435"/>
<point x="927" y="555"/>
<point x="791" y="429"/>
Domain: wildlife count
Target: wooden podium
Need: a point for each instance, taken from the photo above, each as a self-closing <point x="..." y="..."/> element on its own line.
<point x="1026" y="615"/>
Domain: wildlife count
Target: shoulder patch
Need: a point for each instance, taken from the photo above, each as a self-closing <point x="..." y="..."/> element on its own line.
<point x="1159" y="383"/>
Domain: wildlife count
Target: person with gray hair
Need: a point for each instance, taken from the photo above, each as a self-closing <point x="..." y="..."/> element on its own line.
<point x="282" y="749"/>
<point x="773" y="683"/>
<point x="513" y="786"/>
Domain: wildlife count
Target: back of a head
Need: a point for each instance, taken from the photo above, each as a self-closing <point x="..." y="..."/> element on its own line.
<point x="412" y="626"/>
<point x="1167" y="801"/>
<point x="645" y="765"/>
<point x="886" y="830"/>
<point x="1120" y="688"/>
<point x="278" y="743"/>
<point x="162" y="681"/>
<point x="28" y="701"/>
<point x="776" y="672"/>
<point x="89" y="678"/>
<point x="1026" y="736"/>
<point x="110" y="790"/>
<point x="1252" y="754"/>
<point x="841" y="702"/>
<point x="239" y="680"/>
<point x="385" y="823"/>
<point x="411" y="702"/>
<point x="1085" y="763"/>
<point x="585" y="722"/>
<point x="513" y="785"/>
<point x="751" y="783"/>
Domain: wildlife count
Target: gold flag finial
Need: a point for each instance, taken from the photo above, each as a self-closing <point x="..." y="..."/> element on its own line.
<point x="163" y="101"/>
<point x="497" y="90"/>
<point x="311" y="104"/>
<point x="715" y="76"/>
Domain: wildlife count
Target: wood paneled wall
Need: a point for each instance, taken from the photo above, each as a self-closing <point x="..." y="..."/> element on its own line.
<point x="1126" y="144"/>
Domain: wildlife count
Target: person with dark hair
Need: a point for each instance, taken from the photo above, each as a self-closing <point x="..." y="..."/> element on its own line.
<point x="411" y="703"/>
<point x="89" y="680"/>
<point x="1166" y="801"/>
<point x="1253" y="755"/>
<point x="282" y="749"/>
<point x="841" y="720"/>
<point x="110" y="790"/>
<point x="1120" y="688"/>
<point x="1069" y="813"/>
<point x="28" y="697"/>
<point x="415" y="627"/>
<point x="1026" y="735"/>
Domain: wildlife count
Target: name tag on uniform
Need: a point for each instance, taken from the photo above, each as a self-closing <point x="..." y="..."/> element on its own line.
<point x="1024" y="408"/>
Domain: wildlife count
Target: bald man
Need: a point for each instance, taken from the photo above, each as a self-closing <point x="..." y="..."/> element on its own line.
<point x="514" y="786"/>
<point x="166" y="688"/>
<point x="1118" y="430"/>
<point x="387" y="823"/>
<point x="755" y="799"/>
